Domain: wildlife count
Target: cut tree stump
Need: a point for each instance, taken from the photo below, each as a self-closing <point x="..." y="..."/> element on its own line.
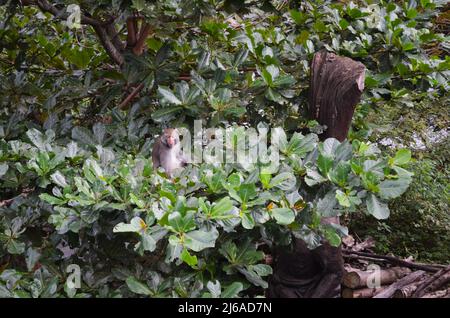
<point x="358" y="279"/>
<point x="336" y="86"/>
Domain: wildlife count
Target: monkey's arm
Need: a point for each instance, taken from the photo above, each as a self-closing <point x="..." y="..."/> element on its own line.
<point x="155" y="154"/>
<point x="182" y="158"/>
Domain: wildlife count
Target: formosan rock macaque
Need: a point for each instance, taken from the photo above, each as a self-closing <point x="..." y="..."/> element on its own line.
<point x="167" y="152"/>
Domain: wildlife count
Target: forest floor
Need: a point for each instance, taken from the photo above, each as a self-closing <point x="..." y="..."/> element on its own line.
<point x="419" y="225"/>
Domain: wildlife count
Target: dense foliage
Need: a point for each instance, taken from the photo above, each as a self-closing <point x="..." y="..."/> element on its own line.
<point x="79" y="114"/>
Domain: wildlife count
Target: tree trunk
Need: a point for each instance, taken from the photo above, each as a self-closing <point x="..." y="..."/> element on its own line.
<point x="335" y="89"/>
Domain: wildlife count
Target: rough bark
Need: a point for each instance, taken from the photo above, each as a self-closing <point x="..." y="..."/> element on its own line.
<point x="433" y="283"/>
<point x="408" y="290"/>
<point x="445" y="293"/>
<point x="389" y="291"/>
<point x="361" y="293"/>
<point x="336" y="87"/>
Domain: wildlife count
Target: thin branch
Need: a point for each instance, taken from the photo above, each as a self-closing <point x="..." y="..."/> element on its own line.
<point x="133" y="94"/>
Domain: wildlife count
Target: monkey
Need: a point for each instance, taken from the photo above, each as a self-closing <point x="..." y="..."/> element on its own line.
<point x="167" y="153"/>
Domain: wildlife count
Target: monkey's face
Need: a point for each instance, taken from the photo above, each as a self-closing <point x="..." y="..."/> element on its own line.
<point x="170" y="137"/>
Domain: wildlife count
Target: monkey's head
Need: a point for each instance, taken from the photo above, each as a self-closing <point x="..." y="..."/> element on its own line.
<point x="170" y="137"/>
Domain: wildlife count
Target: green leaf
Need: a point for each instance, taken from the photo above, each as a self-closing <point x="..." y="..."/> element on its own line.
<point x="344" y="24"/>
<point x="298" y="17"/>
<point x="189" y="259"/>
<point x="199" y="239"/>
<point x="136" y="225"/>
<point x="377" y="208"/>
<point x="340" y="173"/>
<point x="15" y="247"/>
<point x="390" y="189"/>
<point x="134" y="199"/>
<point x="324" y="163"/>
<point x="328" y="147"/>
<point x="148" y="242"/>
<point x="284" y="181"/>
<point x="232" y="290"/>
<point x="240" y="57"/>
<point x="222" y="208"/>
<point x="247" y="191"/>
<point x="169" y="96"/>
<point x="83" y="135"/>
<point x="51" y="199"/>
<point x="311" y="238"/>
<point x="137" y="287"/>
<point x="248" y="222"/>
<point x="165" y="112"/>
<point x="214" y="289"/>
<point x="326" y="205"/>
<point x="59" y="179"/>
<point x="301" y="145"/>
<point x="303" y="37"/>
<point x="32" y="256"/>
<point x="402" y="157"/>
<point x="3" y="169"/>
<point x="332" y="237"/>
<point x="342" y="198"/>
<point x="313" y="177"/>
<point x="283" y="216"/>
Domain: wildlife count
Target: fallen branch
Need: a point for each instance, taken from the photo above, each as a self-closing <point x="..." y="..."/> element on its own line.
<point x="433" y="283"/>
<point x="408" y="290"/>
<point x="361" y="293"/>
<point x="438" y="294"/>
<point x="397" y="261"/>
<point x="389" y="291"/>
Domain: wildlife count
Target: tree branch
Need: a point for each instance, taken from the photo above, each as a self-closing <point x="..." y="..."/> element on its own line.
<point x="111" y="43"/>
<point x="143" y="34"/>
<point x="131" y="96"/>
<point x="45" y="6"/>
<point x="131" y="32"/>
<point x="112" y="51"/>
<point x="114" y="36"/>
